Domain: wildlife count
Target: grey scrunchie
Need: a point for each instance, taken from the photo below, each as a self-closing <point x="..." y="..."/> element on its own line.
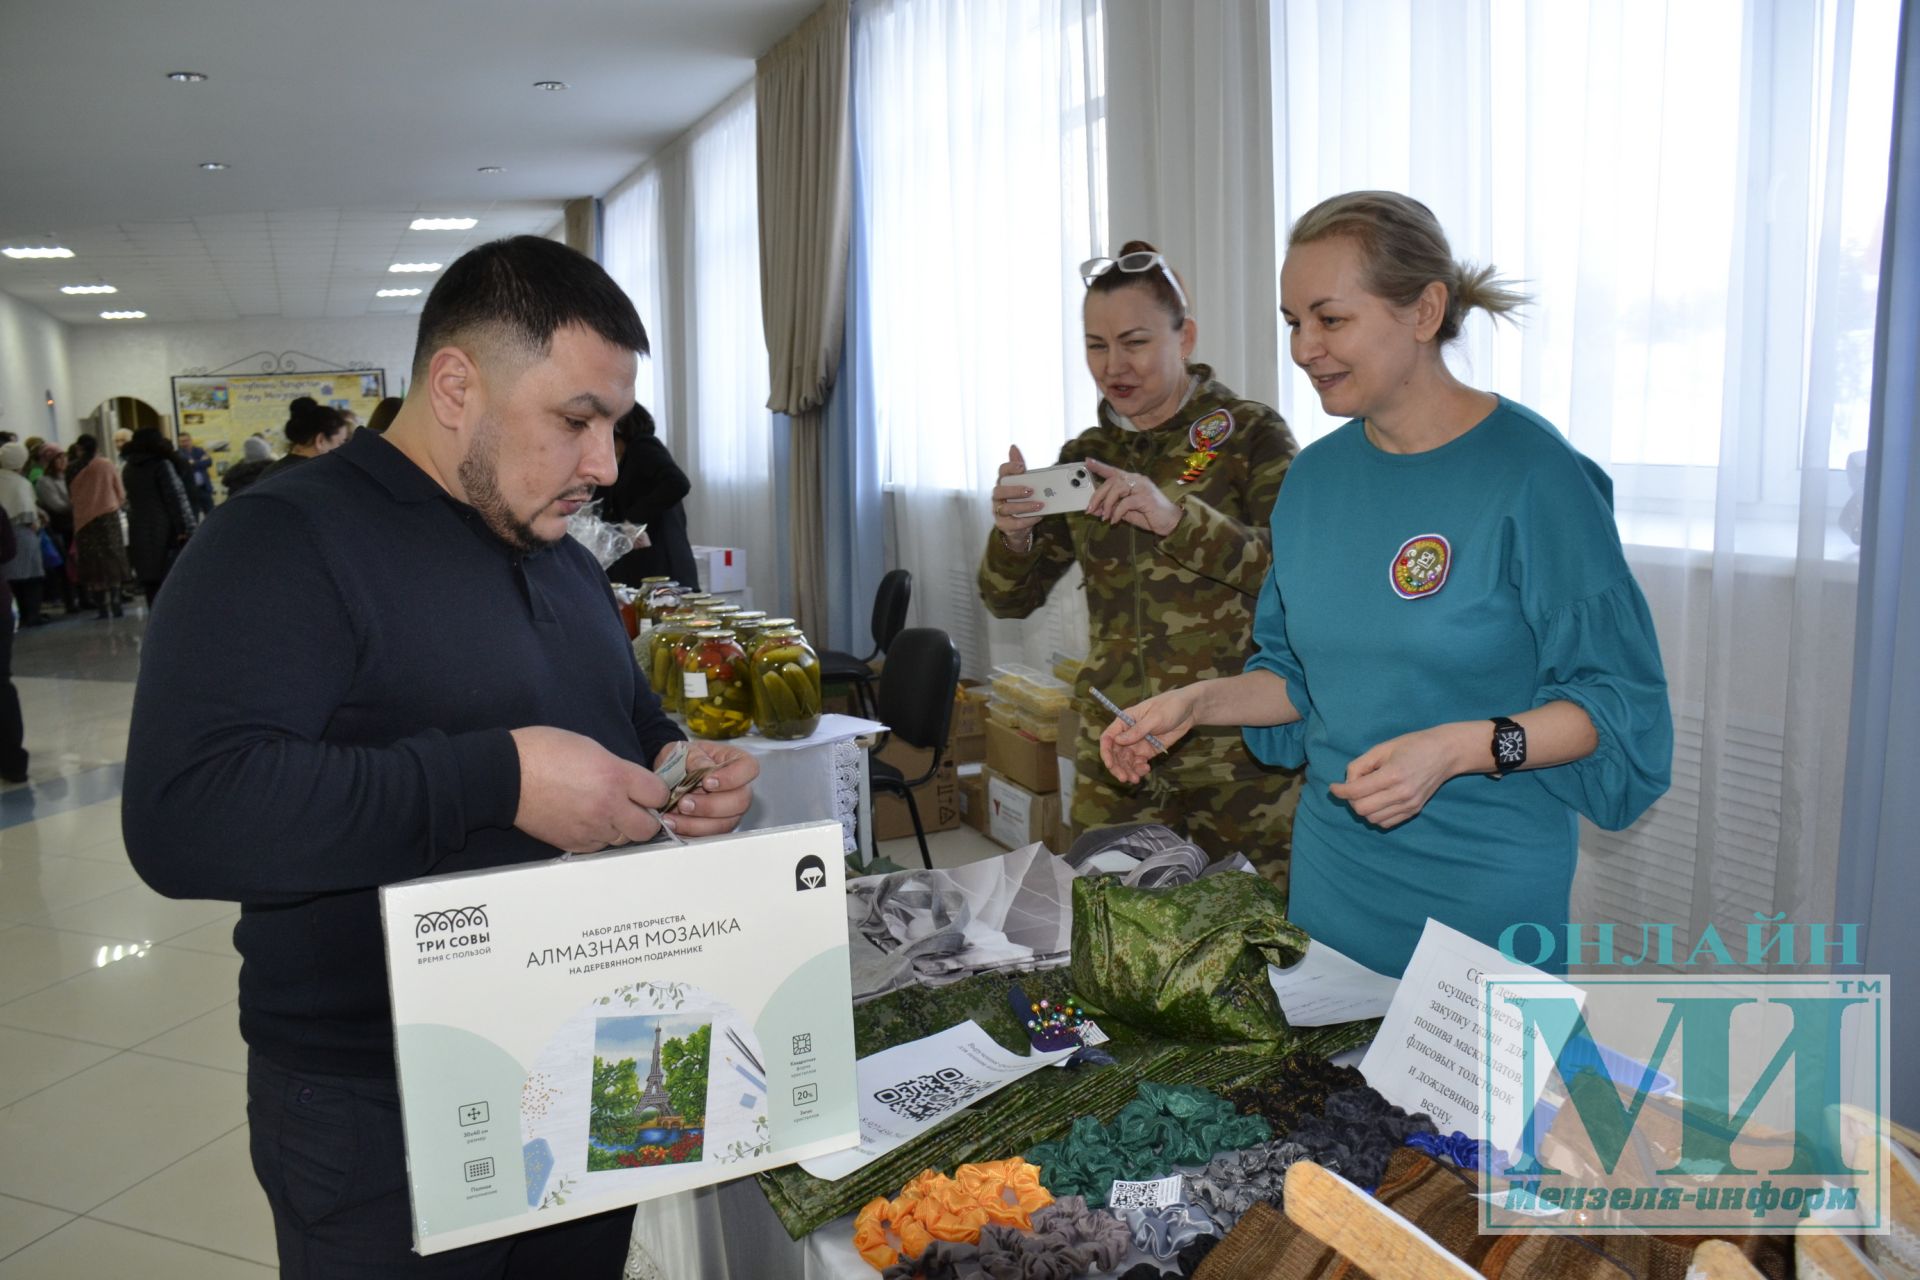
<point x="1234" y="1181"/>
<point x="1166" y="1230"/>
<point x="1068" y="1240"/>
<point x="938" y="1261"/>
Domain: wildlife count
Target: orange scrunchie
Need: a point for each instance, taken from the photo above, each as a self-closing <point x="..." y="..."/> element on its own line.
<point x="936" y="1207"/>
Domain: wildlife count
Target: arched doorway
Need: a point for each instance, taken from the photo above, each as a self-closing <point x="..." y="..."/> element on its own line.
<point x="117" y="414"/>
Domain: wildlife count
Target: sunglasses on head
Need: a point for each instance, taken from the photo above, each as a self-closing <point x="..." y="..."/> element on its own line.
<point x="1134" y="263"/>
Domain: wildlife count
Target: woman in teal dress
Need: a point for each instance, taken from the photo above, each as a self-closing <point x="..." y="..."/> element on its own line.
<point x="1450" y="638"/>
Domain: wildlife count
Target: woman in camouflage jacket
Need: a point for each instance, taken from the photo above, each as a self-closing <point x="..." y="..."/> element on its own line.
<point x="1174" y="546"/>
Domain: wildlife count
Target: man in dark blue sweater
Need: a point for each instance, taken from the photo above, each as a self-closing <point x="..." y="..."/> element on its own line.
<point x="421" y="674"/>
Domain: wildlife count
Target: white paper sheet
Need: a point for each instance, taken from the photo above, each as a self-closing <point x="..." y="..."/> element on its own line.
<point x="911" y="1088"/>
<point x="1428" y="1053"/>
<point x="1327" y="986"/>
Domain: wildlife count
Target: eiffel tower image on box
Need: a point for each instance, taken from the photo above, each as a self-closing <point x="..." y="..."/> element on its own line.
<point x="654" y="1096"/>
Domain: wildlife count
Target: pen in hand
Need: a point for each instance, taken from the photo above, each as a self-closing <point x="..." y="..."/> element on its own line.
<point x="1125" y="719"/>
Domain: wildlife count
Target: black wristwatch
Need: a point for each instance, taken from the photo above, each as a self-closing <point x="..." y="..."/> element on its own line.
<point x="1509" y="746"/>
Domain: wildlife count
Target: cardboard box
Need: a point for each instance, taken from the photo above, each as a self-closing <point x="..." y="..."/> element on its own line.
<point x="971" y="749"/>
<point x="499" y="1015"/>
<point x="973" y="796"/>
<point x="938" y="799"/>
<point x="1022" y="759"/>
<point x="1017" y="817"/>
<point x="721" y="568"/>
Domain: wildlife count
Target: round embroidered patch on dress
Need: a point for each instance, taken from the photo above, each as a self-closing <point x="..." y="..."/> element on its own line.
<point x="1420" y="566"/>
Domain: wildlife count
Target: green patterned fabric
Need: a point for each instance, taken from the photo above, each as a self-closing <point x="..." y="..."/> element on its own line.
<point x="1035" y="1109"/>
<point x="1188" y="962"/>
<point x="1164" y="1126"/>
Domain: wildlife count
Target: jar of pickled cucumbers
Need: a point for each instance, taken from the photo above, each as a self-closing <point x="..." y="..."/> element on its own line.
<point x="663" y="660"/>
<point x="745" y="623"/>
<point x="715" y="692"/>
<point x="751" y="637"/>
<point x="786" y="684"/>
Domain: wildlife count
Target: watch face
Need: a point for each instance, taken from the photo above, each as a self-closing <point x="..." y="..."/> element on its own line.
<point x="1510" y="746"/>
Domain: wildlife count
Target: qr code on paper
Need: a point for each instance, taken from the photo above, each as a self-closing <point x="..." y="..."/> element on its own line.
<point x="925" y="1097"/>
<point x="1144" y="1195"/>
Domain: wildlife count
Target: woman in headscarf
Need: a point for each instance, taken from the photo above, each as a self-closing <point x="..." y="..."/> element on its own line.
<point x="97" y="497"/>
<point x="256" y="457"/>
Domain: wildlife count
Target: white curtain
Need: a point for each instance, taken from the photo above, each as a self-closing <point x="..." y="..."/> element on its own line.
<point x="682" y="239"/>
<point x="631" y="252"/>
<point x="725" y="443"/>
<point x="1186" y="84"/>
<point x="1692" y="189"/>
<point x="978" y="131"/>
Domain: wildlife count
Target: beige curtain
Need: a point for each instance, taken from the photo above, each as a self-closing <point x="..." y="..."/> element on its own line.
<point x="806" y="201"/>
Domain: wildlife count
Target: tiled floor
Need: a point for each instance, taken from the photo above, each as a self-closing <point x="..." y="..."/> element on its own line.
<point x="123" y="1136"/>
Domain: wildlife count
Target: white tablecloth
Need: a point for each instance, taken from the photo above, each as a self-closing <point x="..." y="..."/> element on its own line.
<point x="822" y="776"/>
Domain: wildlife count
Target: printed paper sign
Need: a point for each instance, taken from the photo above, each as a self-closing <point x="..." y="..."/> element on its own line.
<point x="578" y="1035"/>
<point x="911" y="1088"/>
<point x="1427" y="1055"/>
<point x="1325" y="987"/>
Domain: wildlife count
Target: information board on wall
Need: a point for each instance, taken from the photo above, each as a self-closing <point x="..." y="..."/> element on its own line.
<point x="221" y="410"/>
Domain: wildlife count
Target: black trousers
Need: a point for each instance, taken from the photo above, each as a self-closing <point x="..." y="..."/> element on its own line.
<point x="328" y="1153"/>
<point x="13" y="732"/>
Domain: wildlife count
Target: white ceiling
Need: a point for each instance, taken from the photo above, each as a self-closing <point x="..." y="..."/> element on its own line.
<point x="343" y="120"/>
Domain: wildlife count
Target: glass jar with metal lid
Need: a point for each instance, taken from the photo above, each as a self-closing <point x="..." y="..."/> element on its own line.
<point x="663" y="663"/>
<point x="786" y="684"/>
<point x="752" y="625"/>
<point x="715" y="691"/>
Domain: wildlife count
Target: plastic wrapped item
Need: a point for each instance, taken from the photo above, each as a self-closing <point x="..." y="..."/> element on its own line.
<point x="1066" y="667"/>
<point x="786" y="685"/>
<point x="716" y="690"/>
<point x="607" y="542"/>
<point x="1035" y="692"/>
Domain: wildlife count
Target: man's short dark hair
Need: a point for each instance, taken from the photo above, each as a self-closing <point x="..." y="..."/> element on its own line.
<point x="521" y="291"/>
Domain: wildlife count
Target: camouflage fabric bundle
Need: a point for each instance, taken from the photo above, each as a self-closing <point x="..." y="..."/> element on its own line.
<point x="1187" y="962"/>
<point x="1037" y="1108"/>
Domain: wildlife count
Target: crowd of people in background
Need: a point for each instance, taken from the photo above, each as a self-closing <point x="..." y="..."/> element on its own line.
<point x="85" y="525"/>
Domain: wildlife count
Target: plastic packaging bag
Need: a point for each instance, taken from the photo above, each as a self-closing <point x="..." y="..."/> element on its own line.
<point x="607" y="542"/>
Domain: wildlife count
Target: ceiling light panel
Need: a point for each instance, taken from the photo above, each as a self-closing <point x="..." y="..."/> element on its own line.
<point x="442" y="224"/>
<point x="38" y="251"/>
<point x="123" y="315"/>
<point x="402" y="267"/>
<point x="397" y="293"/>
<point x="87" y="288"/>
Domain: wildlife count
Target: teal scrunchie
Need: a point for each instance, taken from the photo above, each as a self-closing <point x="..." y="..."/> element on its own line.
<point x="1164" y="1126"/>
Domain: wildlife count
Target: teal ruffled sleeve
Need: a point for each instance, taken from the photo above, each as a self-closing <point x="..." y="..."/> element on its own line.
<point x="1284" y="745"/>
<point x="1596" y="643"/>
<point x="1601" y="654"/>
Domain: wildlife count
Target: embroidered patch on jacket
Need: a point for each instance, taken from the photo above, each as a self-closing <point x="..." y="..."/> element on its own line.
<point x="1420" y="566"/>
<point x="1205" y="437"/>
<point x="1211" y="431"/>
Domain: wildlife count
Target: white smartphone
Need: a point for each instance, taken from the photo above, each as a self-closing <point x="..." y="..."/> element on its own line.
<point x="1060" y="489"/>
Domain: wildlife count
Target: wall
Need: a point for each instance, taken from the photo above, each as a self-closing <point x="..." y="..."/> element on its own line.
<point x="34" y="359"/>
<point x="140" y="358"/>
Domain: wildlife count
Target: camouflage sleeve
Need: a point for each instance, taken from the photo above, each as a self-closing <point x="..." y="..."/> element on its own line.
<point x="1236" y="550"/>
<point x="1013" y="585"/>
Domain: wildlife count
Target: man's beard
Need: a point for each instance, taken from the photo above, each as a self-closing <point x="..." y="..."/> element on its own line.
<point x="480" y="478"/>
